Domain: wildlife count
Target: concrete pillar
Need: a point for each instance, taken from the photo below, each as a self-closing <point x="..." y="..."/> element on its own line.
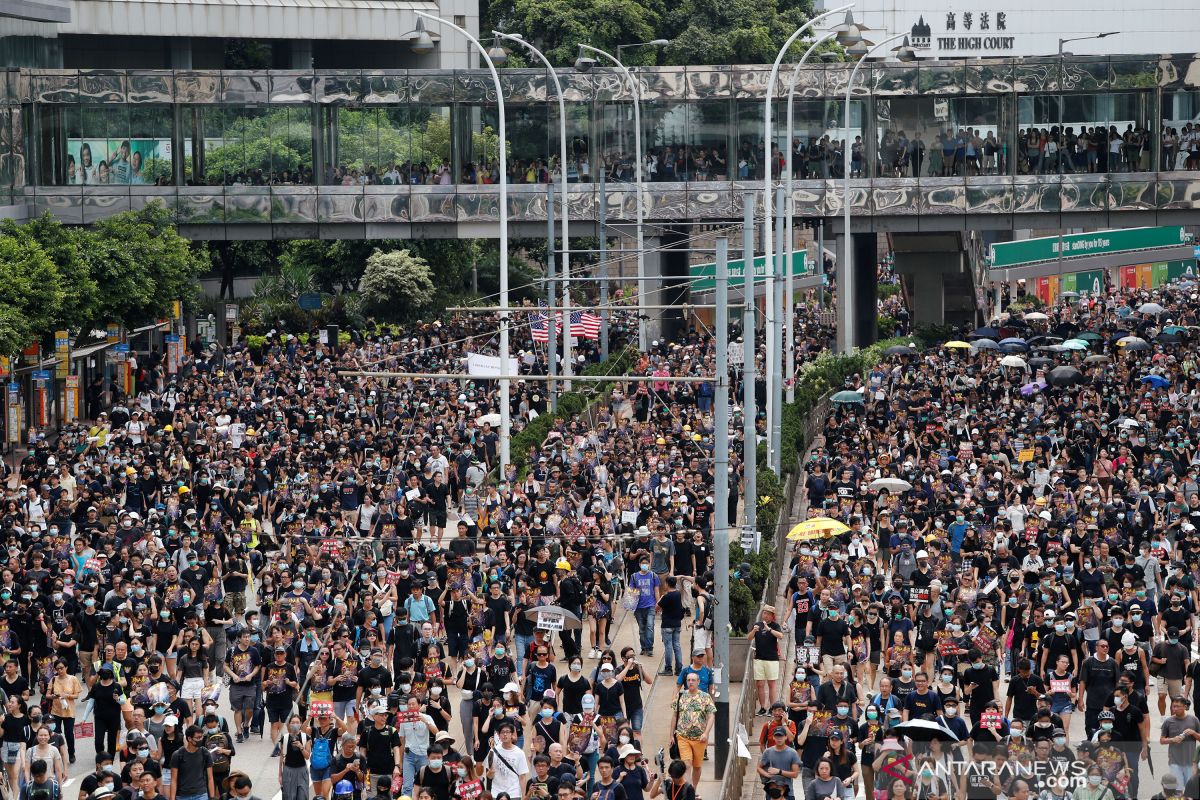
<point x="929" y="298"/>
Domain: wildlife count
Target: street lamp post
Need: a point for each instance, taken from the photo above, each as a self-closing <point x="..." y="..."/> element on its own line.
<point x="790" y="208"/>
<point x="584" y="64"/>
<point x="845" y="288"/>
<point x="505" y="385"/>
<point x="1062" y="83"/>
<point x="772" y="317"/>
<point x="565" y="250"/>
<point x="1105" y="35"/>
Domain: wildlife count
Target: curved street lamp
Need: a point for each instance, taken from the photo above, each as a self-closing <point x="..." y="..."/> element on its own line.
<point x="565" y="199"/>
<point x="845" y="294"/>
<point x="583" y="64"/>
<point x="774" y="340"/>
<point x="505" y="384"/>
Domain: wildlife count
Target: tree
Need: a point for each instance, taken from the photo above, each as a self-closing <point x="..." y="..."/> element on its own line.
<point x="142" y="263"/>
<point x="395" y="285"/>
<point x="80" y="295"/>
<point x="24" y="270"/>
<point x="700" y="31"/>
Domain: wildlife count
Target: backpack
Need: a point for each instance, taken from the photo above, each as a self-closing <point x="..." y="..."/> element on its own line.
<point x="321" y="753"/>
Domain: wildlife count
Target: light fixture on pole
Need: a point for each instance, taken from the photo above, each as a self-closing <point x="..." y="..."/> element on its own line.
<point x="584" y="63"/>
<point x="1104" y="35"/>
<point x="565" y="250"/>
<point x="849" y="32"/>
<point x="419" y="41"/>
<point x="789" y="372"/>
<point x="845" y="280"/>
<point x="505" y="369"/>
<point x="771" y="319"/>
<point x="651" y="43"/>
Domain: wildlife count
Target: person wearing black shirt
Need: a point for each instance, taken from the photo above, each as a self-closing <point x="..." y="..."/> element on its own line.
<point x="670" y="607"/>
<point x="280" y="685"/>
<point x="434" y="776"/>
<point x="1127" y="733"/>
<point x="105" y="694"/>
<point x="766" y="635"/>
<point x="1023" y="692"/>
<point x="979" y="682"/>
<point x="1097" y="679"/>
<point x="381" y="743"/>
<point x="922" y="704"/>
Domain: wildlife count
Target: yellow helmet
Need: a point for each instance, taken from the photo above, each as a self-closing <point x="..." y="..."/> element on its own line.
<point x="562" y="563"/>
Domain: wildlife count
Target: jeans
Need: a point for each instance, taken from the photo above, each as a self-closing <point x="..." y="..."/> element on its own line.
<point x="673" y="659"/>
<point x="522" y="649"/>
<point x="203" y="796"/>
<point x="412" y="764"/>
<point x="1182" y="772"/>
<point x="645" y="621"/>
<point x="636" y="718"/>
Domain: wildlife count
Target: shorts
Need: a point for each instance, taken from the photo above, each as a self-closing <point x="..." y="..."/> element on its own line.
<point x="321" y="774"/>
<point x="1170" y="686"/>
<point x="278" y="713"/>
<point x="701" y="639"/>
<point x="12" y="752"/>
<point x="766" y="670"/>
<point x="242" y="697"/>
<point x="1061" y="705"/>
<point x="235" y="603"/>
<point x="691" y="751"/>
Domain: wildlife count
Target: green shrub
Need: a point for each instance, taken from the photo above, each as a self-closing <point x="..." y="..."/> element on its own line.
<point x="885" y="290"/>
<point x="886" y="326"/>
<point x="256" y="343"/>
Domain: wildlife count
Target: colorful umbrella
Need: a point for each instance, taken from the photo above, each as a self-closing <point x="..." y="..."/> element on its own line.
<point x="816" y="528"/>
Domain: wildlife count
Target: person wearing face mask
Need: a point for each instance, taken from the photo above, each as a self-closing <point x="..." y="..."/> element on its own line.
<point x="435" y="777"/>
<point x="242" y="665"/>
<point x="1169" y="662"/>
<point x="1130" y="726"/>
<point x="280" y="685"/>
<point x="1132" y="661"/>
<point x="105" y="778"/>
<point x="547" y="724"/>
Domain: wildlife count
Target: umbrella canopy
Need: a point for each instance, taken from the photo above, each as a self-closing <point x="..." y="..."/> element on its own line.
<point x="1040" y="361"/>
<point x="1014" y="361"/>
<point x="1150" y="308"/>
<point x="1176" y="329"/>
<point x="1132" y="344"/>
<point x="1097" y="360"/>
<point x="816" y="528"/>
<point x="489" y="419"/>
<point x="847" y="397"/>
<point x="1157" y="381"/>
<point x="554" y="618"/>
<point x="1090" y="336"/>
<point x="1167" y="338"/>
<point x="891" y="484"/>
<point x="1124" y="311"/>
<point x="1036" y="316"/>
<point x="1071" y="295"/>
<point x="1034" y="341"/>
<point x="900" y="350"/>
<point x="1075" y="344"/>
<point x="957" y="345"/>
<point x="1125" y="341"/>
<point x="1064" y="376"/>
<point x="985" y="333"/>
<point x="985" y="344"/>
<point x="925" y="730"/>
<point x="1014" y="347"/>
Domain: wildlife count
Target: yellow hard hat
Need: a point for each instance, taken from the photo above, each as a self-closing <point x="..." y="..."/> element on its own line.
<point x="130" y="471"/>
<point x="661" y="440"/>
<point x="695" y="437"/>
<point x="562" y="563"/>
<point x="168" y="428"/>
<point x="184" y="490"/>
<point x="251" y="432"/>
<point x="687" y="427"/>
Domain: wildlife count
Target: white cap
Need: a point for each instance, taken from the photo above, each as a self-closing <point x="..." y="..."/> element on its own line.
<point x="511" y="687"/>
<point x="922" y="554"/>
<point x="1128" y="639"/>
<point x="171" y="719"/>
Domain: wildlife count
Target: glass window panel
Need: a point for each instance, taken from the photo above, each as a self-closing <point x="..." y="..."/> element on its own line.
<point x="579" y="150"/>
<point x="151" y="157"/>
<point x="59" y="139"/>
<point x="346" y="149"/>
<point x="748" y="132"/>
<point x="708" y="136"/>
<point x="618" y="146"/>
<point x="664" y="140"/>
<point x="291" y="145"/>
<point x="1076" y="133"/>
<point x="1181" y="130"/>
<point x="939" y="136"/>
<point x="104" y="149"/>
<point x="814" y="128"/>
<point x="831" y="156"/>
<point x="529" y="140"/>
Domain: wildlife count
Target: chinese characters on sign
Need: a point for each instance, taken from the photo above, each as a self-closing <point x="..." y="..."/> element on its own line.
<point x="988" y="22"/>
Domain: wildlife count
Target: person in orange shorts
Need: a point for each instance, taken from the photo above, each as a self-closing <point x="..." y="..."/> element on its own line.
<point x="695" y="713"/>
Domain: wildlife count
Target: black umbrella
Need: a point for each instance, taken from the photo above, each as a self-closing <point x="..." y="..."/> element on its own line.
<point x="985" y="333"/>
<point x="900" y="350"/>
<point x="925" y="730"/>
<point x="1064" y="376"/>
<point x="1167" y="338"/>
<point x="1040" y="361"/>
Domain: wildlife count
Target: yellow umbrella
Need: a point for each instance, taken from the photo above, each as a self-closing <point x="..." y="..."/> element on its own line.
<point x="816" y="528"/>
<point x="957" y="345"/>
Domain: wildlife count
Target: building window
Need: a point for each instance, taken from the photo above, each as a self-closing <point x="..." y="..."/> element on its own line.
<point x="460" y="20"/>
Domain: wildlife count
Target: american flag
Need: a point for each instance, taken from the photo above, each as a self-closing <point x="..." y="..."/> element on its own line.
<point x="538" y="325"/>
<point x="585" y="325"/>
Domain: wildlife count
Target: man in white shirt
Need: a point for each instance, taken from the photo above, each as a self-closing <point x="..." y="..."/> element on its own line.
<point x="508" y="769"/>
<point x="416" y="732"/>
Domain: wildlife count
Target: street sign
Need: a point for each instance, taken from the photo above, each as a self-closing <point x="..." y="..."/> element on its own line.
<point x="704" y="275"/>
<point x="40" y="375"/>
<point x="310" y="301"/>
<point x="1097" y="243"/>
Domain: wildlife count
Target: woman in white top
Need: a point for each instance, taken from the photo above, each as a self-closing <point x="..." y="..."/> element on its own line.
<point x="44" y="751"/>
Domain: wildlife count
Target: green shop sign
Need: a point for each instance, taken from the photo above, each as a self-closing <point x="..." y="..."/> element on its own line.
<point x="704" y="275"/>
<point x="1086" y="284"/>
<point x="1076" y="245"/>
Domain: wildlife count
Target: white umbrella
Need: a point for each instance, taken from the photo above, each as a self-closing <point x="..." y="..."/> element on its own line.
<point x="891" y="484"/>
<point x="1014" y="361"/>
<point x="1151" y="308"/>
<point x="488" y="419"/>
<point x="1036" y="316"/>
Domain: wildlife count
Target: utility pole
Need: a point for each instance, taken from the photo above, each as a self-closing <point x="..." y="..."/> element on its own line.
<point x="604" y="315"/>
<point x="782" y="317"/>
<point x="721" y="509"/>
<point x="749" y="413"/>
<point x="551" y="368"/>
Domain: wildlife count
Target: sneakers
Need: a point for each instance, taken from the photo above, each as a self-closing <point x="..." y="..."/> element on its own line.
<point x="762" y="712"/>
<point x="239" y="738"/>
<point x="594" y="653"/>
<point x="275" y="752"/>
<point x="666" y="671"/>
